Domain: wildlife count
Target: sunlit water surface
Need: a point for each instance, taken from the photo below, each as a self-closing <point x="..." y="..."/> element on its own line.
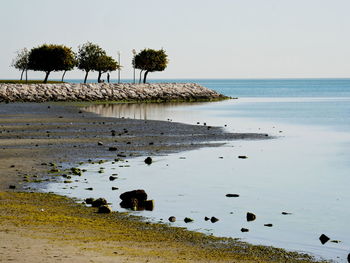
<point x="304" y="171"/>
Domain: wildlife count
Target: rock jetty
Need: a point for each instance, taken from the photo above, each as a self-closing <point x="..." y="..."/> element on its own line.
<point x="161" y="92"/>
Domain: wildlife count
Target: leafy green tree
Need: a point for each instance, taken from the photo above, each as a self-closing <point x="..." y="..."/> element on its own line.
<point x="105" y="64"/>
<point x="50" y="58"/>
<point x="70" y="61"/>
<point x="150" y="60"/>
<point x="88" y="56"/>
<point x="21" y="61"/>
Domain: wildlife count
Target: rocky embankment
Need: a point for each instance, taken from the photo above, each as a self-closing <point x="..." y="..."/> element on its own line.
<point x="106" y="92"/>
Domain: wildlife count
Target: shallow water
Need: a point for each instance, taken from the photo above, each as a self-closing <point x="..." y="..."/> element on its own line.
<point x="303" y="171"/>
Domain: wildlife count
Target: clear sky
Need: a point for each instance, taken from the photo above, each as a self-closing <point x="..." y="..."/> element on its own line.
<point x="203" y="38"/>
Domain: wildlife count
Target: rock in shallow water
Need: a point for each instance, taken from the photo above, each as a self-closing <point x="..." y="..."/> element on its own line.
<point x="232" y="195"/>
<point x="148" y="160"/>
<point x="213" y="219"/>
<point x="172" y="219"/>
<point x="188" y="220"/>
<point x="250" y="217"/>
<point x="324" y="239"/>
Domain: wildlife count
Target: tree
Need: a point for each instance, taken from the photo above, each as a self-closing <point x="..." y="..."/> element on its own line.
<point x="21" y="61"/>
<point x="104" y="64"/>
<point x="50" y="58"/>
<point x="70" y="61"/>
<point x="88" y="56"/>
<point x="150" y="60"/>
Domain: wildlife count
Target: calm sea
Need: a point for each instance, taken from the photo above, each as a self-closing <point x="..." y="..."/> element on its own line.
<point x="304" y="170"/>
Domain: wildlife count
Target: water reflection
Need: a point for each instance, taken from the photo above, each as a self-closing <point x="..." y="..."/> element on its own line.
<point x="143" y="111"/>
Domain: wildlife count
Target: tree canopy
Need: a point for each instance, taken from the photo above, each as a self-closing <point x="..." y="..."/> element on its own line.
<point x="50" y="58"/>
<point x="21" y="61"/>
<point x="150" y="60"/>
<point x="88" y="56"/>
<point x="104" y="64"/>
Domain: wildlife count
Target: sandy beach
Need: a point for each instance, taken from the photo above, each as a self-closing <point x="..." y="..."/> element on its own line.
<point x="41" y="227"/>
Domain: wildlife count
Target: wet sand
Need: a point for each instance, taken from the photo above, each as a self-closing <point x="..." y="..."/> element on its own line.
<point x="33" y="134"/>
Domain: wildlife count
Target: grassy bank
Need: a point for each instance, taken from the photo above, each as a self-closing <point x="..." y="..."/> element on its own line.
<point x="11" y="81"/>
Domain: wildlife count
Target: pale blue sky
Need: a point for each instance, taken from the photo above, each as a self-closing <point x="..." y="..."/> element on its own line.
<point x="203" y="38"/>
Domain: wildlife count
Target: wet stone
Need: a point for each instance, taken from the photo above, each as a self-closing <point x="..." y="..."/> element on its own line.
<point x="250" y="217"/>
<point x="232" y="195"/>
<point x="148" y="160"/>
<point x="324" y="239"/>
<point x="213" y="219"/>
<point x="244" y="230"/>
<point x="188" y="220"/>
<point x="172" y="219"/>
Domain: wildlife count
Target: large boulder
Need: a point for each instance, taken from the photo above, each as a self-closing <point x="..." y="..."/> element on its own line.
<point x="136" y="200"/>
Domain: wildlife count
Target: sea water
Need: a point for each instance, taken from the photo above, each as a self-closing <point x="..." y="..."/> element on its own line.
<point x="303" y="170"/>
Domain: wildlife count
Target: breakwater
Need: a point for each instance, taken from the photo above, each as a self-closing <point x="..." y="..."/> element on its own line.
<point x="107" y="92"/>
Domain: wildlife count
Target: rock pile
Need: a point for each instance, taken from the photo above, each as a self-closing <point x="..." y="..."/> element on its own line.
<point x="106" y="92"/>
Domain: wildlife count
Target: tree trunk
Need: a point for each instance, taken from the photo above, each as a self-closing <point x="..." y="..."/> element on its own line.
<point x="22" y="74"/>
<point x="47" y="76"/>
<point x="140" y="76"/>
<point x="99" y="77"/>
<point x="64" y="73"/>
<point x="26" y="75"/>
<point x="86" y="74"/>
<point x="145" y="76"/>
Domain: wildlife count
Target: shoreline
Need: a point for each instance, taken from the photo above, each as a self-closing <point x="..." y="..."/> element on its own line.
<point x="32" y="127"/>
